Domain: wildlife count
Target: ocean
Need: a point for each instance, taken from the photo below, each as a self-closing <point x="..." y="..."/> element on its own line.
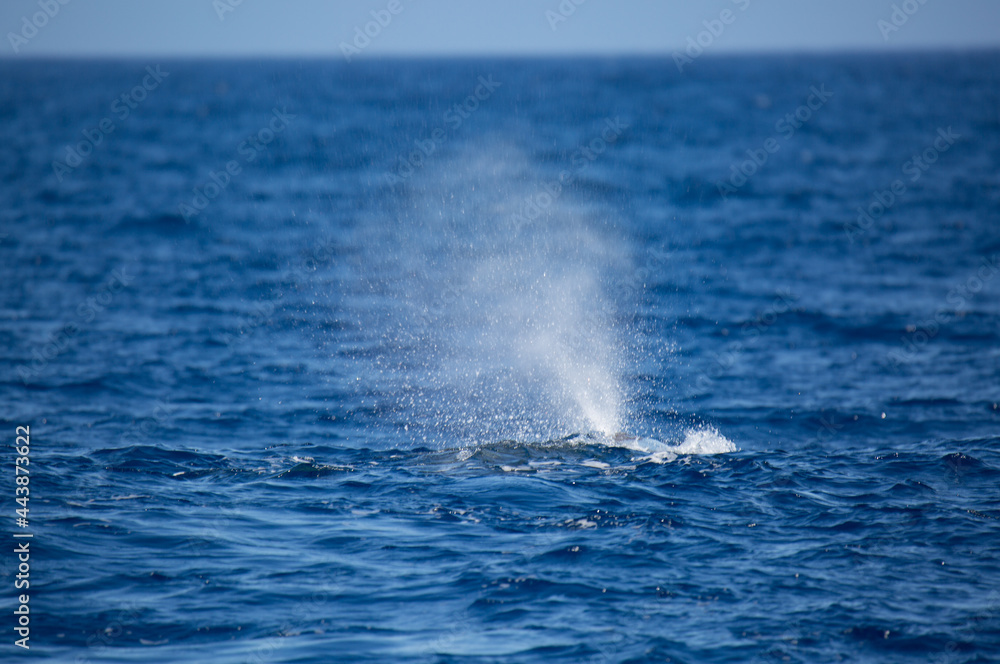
<point x="502" y="360"/>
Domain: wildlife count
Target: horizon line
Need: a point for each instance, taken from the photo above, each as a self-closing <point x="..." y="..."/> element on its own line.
<point x="530" y="55"/>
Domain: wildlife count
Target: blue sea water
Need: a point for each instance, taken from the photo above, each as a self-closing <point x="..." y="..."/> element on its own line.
<point x="505" y="360"/>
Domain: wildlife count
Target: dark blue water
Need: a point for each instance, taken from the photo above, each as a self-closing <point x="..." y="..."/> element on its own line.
<point x="320" y="366"/>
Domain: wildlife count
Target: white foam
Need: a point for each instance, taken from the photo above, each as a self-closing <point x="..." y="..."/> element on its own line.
<point x="706" y="440"/>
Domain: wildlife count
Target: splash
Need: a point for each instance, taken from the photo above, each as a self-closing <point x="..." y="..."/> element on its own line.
<point x="499" y="329"/>
<point x="477" y="326"/>
<point x="702" y="441"/>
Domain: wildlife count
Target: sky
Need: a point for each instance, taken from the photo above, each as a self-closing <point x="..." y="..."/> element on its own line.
<point x="336" y="28"/>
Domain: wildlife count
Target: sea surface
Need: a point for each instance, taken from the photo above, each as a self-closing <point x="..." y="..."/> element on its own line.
<point x="522" y="360"/>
